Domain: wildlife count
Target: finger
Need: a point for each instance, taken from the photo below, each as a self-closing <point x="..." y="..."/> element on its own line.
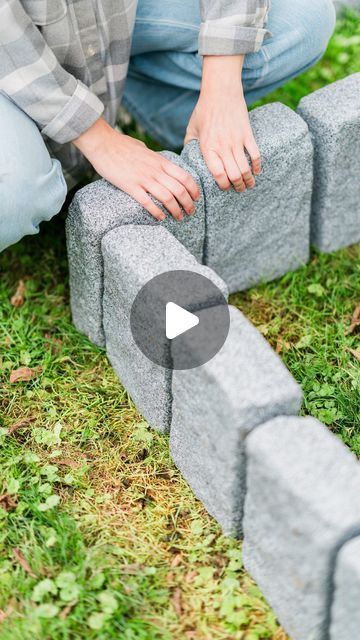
<point x="233" y="171"/>
<point x="184" y="177"/>
<point x="179" y="191"/>
<point x="144" y="199"/>
<point x="216" y="167"/>
<point x="244" y="168"/>
<point x="164" y="196"/>
<point x="254" y="153"/>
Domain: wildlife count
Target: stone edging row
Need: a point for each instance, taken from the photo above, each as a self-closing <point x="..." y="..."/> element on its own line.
<point x="285" y="483"/>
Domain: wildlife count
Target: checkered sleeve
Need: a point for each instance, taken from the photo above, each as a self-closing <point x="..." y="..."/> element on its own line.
<point x="30" y="75"/>
<point x="231" y="27"/>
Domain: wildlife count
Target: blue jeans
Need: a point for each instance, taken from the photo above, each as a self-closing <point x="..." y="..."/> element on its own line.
<point x="161" y="92"/>
<point x="164" y="75"/>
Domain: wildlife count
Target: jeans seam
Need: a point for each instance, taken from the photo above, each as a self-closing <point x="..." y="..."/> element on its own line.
<point x="264" y="70"/>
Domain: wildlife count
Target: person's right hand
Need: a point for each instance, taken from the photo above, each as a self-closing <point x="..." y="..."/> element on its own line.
<point x="129" y="165"/>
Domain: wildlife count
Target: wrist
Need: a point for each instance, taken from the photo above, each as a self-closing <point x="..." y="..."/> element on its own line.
<point x="94" y="138"/>
<point x="222" y="74"/>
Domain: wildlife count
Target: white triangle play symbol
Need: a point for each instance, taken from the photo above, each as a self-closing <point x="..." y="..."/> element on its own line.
<point x="178" y="320"/>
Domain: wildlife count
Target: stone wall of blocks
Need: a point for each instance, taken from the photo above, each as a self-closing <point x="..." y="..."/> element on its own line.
<point x="284" y="483"/>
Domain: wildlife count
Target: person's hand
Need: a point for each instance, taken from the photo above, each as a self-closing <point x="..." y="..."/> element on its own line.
<point x="220" y="122"/>
<point x="129" y="165"/>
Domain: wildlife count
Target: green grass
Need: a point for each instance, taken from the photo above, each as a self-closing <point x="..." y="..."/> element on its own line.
<point x="306" y="317"/>
<point x="116" y="545"/>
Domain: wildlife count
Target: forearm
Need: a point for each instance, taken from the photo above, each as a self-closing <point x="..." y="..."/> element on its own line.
<point x="94" y="139"/>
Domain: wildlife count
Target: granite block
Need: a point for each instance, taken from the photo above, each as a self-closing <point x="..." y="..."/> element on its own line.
<point x="345" y="610"/>
<point x="260" y="234"/>
<point x="134" y="254"/>
<point x="333" y="117"/>
<point x="95" y="210"/>
<point x="302" y="500"/>
<point x="216" y="405"/>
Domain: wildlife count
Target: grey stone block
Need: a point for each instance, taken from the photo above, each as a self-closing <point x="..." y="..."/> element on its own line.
<point x="132" y="256"/>
<point x="345" y="610"/>
<point x="261" y="234"/>
<point x="95" y="210"/>
<point x="333" y="117"/>
<point x="303" y="498"/>
<point x="216" y="405"/>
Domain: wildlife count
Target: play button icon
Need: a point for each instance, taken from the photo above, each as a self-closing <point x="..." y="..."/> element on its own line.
<point x="179" y="319"/>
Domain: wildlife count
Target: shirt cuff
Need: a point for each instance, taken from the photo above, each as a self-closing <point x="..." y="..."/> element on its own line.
<point x="217" y="40"/>
<point x="78" y="114"/>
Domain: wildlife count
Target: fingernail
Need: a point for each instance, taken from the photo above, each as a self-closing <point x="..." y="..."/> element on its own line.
<point x="192" y="210"/>
<point x="180" y="219"/>
<point x="162" y="217"/>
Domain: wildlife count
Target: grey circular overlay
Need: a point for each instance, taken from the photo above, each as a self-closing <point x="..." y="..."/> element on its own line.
<point x="188" y="292"/>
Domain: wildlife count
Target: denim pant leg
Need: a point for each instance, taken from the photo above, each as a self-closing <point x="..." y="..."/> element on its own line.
<point x="165" y="69"/>
<point x="32" y="186"/>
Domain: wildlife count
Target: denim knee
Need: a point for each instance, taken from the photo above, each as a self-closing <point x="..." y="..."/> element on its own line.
<point x="28" y="199"/>
<point x="317" y="26"/>
<point x="32" y="185"/>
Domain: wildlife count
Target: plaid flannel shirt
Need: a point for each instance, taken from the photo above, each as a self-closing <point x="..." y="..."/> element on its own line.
<point x="64" y="62"/>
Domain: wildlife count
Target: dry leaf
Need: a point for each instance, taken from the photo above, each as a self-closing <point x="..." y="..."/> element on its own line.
<point x="67" y="462"/>
<point x="8" y="611"/>
<point x="355" y="320"/>
<point x="23" y="562"/>
<point x="282" y="345"/>
<point x="190" y="576"/>
<point x="280" y="635"/>
<point x="3" y="616"/>
<point x="176" y="560"/>
<point x="66" y="610"/>
<point x="18" y="298"/>
<point x="355" y="353"/>
<point x="170" y="577"/>
<point x="176" y="600"/>
<point x="7" y="502"/>
<point x="20" y="425"/>
<point x="131" y="569"/>
<point x="23" y="374"/>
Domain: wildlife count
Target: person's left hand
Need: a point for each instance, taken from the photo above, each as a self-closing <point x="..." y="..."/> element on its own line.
<point x="220" y="122"/>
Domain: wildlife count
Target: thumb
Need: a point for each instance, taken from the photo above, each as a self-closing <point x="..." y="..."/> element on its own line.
<point x="189" y="137"/>
<point x="191" y="131"/>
